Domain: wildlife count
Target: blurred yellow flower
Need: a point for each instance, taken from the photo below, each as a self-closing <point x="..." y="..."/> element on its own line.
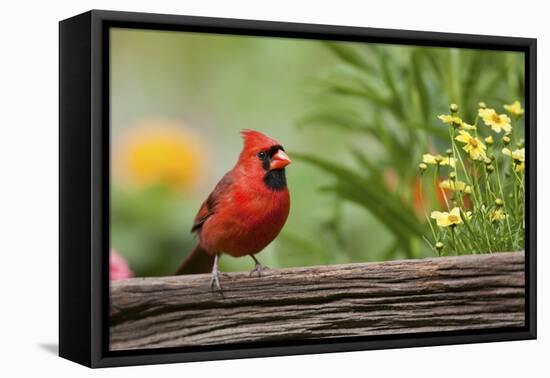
<point x="466" y="126"/>
<point x="450" y="119"/>
<point x="497" y="215"/>
<point x="445" y="219"/>
<point x="473" y="145"/>
<point x="455" y="185"/>
<point x="438" y="159"/>
<point x="160" y="152"/>
<point x="515" y="109"/>
<point x="496" y="121"/>
<point x="455" y="121"/>
<point x="518" y="156"/>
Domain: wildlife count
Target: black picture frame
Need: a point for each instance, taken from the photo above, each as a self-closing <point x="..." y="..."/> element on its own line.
<point x="84" y="184"/>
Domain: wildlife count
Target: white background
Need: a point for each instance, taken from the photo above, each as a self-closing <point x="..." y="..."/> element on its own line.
<point x="29" y="187"/>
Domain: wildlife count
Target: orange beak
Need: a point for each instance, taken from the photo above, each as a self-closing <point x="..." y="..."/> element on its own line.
<point x="279" y="160"/>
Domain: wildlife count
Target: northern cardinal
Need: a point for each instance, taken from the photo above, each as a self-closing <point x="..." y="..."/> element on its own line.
<point x="246" y="210"/>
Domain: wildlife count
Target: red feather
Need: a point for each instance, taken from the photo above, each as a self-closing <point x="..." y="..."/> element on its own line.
<point x="243" y="215"/>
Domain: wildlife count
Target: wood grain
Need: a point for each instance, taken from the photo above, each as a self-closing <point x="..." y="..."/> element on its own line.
<point x="436" y="294"/>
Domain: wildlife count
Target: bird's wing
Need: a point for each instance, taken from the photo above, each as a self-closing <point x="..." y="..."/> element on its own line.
<point x="208" y="207"/>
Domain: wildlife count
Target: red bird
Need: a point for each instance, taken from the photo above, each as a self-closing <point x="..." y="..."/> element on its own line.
<point x="246" y="210"/>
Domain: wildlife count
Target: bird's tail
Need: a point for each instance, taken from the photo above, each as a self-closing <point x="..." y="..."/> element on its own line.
<point x="198" y="261"/>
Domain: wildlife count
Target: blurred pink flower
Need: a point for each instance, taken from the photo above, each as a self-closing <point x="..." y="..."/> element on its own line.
<point x="118" y="267"/>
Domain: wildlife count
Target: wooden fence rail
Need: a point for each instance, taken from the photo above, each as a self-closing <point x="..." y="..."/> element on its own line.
<point x="436" y="294"/>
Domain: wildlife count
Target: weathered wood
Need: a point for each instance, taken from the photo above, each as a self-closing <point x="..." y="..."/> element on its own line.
<point x="437" y="294"/>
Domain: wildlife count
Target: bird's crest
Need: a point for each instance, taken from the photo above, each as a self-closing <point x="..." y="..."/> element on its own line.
<point x="255" y="139"/>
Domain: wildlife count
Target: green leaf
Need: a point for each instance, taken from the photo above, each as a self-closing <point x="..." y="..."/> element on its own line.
<point x="378" y="209"/>
<point x="389" y="79"/>
<point x="366" y="163"/>
<point x="433" y="57"/>
<point x="349" y="55"/>
<point x="340" y="119"/>
<point x="361" y="90"/>
<point x="421" y="87"/>
<point x="387" y="206"/>
<point x="438" y="130"/>
<point x="474" y="70"/>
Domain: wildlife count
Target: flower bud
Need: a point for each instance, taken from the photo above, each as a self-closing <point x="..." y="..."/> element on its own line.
<point x="489" y="140"/>
<point x="449" y="152"/>
<point x="482" y="105"/>
<point x="468" y="189"/>
<point x="499" y="202"/>
<point x="453" y="108"/>
<point x="422" y="167"/>
<point x="490" y="168"/>
<point x="452" y="176"/>
<point x="521" y="143"/>
<point x="487" y="161"/>
<point x="506" y="140"/>
<point x="439" y="246"/>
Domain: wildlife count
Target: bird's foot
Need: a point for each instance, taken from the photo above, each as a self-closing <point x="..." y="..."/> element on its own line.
<point x="258" y="268"/>
<point x="215" y="282"/>
<point x="215" y="278"/>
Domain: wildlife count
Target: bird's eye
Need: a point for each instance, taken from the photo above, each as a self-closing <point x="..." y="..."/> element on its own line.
<point x="262" y="155"/>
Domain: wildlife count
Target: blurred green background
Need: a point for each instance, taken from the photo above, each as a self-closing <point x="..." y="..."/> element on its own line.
<point x="355" y="118"/>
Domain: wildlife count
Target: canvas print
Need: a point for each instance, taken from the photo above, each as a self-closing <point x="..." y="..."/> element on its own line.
<point x="278" y="190"/>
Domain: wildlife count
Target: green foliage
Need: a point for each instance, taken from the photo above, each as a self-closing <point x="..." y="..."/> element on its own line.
<point x="365" y="192"/>
<point x="485" y="190"/>
<point x="158" y="216"/>
<point x="391" y="96"/>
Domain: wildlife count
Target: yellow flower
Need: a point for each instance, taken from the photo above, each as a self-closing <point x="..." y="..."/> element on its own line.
<point x="438" y="159"/>
<point x="450" y="119"/>
<point x="456" y="185"/>
<point x="445" y="219"/>
<point x="518" y="156"/>
<point x="157" y="151"/>
<point x="456" y="122"/>
<point x="466" y="126"/>
<point x="473" y="145"/>
<point x="520" y="168"/>
<point x="497" y="215"/>
<point x="515" y="109"/>
<point x="496" y="121"/>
